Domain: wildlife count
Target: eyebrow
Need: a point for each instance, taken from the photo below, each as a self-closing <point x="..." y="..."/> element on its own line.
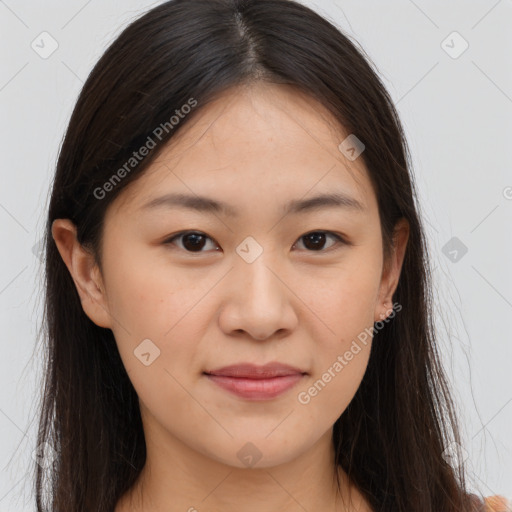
<point x="295" y="206"/>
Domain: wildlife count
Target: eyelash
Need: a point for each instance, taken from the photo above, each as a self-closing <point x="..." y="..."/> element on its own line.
<point x="341" y="240"/>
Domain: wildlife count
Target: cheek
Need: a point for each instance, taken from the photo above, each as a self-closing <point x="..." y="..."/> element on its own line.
<point x="341" y="357"/>
<point x="348" y="295"/>
<point x="148" y="304"/>
<point x="143" y="295"/>
<point x="346" y="306"/>
<point x="329" y="391"/>
<point x="141" y="307"/>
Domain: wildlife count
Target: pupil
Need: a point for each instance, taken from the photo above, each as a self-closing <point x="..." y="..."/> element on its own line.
<point x="196" y="244"/>
<point x="316" y="237"/>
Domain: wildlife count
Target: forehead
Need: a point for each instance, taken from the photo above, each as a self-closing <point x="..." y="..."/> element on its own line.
<point x="255" y="144"/>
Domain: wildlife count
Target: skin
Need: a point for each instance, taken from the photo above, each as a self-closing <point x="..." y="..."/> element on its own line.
<point x="256" y="148"/>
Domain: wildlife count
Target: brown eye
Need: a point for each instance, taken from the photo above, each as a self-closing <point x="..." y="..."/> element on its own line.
<point x="191" y="241"/>
<point x="195" y="242"/>
<point x="315" y="241"/>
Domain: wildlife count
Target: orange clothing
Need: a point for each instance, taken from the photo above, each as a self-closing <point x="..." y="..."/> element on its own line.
<point x="497" y="504"/>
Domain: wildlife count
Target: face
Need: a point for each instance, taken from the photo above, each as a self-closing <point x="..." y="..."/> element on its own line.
<point x="267" y="277"/>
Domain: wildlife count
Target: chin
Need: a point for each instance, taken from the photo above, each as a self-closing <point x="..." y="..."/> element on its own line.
<point x="256" y="453"/>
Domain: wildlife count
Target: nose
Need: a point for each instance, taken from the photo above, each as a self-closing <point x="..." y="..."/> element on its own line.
<point x="258" y="301"/>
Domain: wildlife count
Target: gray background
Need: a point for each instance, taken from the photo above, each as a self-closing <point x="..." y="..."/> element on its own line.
<point x="457" y="113"/>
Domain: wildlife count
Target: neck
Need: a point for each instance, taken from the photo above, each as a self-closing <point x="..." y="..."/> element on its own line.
<point x="176" y="478"/>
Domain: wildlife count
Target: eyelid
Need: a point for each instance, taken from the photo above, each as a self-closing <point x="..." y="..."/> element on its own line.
<point x="341" y="239"/>
<point x="170" y="240"/>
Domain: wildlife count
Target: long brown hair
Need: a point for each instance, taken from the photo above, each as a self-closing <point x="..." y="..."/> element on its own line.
<point x="390" y="440"/>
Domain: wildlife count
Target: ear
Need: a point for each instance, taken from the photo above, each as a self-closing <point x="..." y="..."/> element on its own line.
<point x="84" y="271"/>
<point x="391" y="270"/>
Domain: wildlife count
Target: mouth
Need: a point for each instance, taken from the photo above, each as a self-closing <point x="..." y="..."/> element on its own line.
<point x="253" y="382"/>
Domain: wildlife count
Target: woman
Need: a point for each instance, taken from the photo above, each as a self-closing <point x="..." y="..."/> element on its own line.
<point x="238" y="293"/>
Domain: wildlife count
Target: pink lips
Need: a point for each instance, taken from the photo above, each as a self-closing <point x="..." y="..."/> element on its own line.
<point x="254" y="382"/>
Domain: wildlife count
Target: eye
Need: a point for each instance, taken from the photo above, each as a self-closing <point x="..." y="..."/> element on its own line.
<point x="315" y="240"/>
<point x="193" y="241"/>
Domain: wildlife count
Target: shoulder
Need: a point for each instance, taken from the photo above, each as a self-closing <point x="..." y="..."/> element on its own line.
<point x="494" y="503"/>
<point x="497" y="504"/>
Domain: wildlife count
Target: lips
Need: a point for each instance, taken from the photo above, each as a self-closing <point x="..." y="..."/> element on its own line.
<point x="253" y="382"/>
<point x="252" y="371"/>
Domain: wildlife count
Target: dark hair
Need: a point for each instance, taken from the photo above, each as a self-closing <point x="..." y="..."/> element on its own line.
<point x="389" y="442"/>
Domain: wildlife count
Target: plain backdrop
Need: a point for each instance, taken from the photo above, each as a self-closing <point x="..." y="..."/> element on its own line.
<point x="447" y="68"/>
